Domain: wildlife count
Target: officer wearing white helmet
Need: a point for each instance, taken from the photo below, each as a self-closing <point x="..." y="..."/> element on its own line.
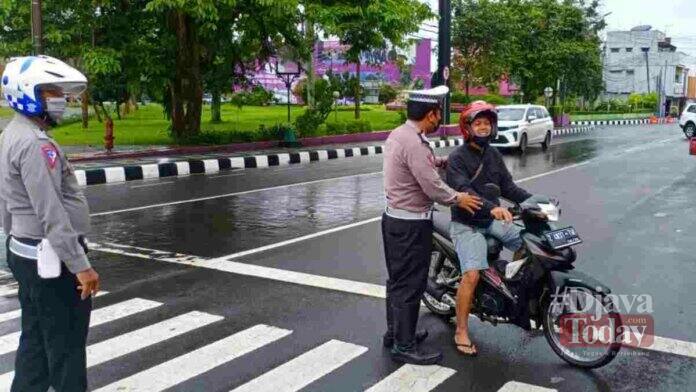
<point x="46" y="218"/>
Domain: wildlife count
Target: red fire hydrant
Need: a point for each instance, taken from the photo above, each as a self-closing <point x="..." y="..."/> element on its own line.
<point x="109" y="135"/>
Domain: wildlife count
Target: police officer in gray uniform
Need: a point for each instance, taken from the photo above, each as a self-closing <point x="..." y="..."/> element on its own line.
<point x="40" y="200"/>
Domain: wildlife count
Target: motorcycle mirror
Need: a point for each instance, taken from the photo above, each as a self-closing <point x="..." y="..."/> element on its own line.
<point x="491" y="191"/>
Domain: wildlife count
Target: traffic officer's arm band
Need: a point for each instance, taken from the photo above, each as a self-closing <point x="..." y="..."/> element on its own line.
<point x="43" y="184"/>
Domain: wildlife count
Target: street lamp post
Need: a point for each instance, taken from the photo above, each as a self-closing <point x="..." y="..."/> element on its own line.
<point x="548" y="93"/>
<point x="336" y="95"/>
<point x="287" y="71"/>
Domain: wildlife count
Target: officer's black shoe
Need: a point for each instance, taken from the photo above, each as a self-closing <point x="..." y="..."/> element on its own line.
<point x="388" y="340"/>
<point x="414" y="355"/>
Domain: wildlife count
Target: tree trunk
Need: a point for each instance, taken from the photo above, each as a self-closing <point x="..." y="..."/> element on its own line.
<point x="310" y="63"/>
<point x="467" y="85"/>
<point x="187" y="90"/>
<point x="215" y="107"/>
<point x="106" y="112"/>
<point x="357" y="90"/>
<point x="85" y="109"/>
<point x="117" y="109"/>
<point x="96" y="112"/>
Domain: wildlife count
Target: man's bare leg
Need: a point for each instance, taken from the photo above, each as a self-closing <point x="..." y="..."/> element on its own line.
<point x="465" y="296"/>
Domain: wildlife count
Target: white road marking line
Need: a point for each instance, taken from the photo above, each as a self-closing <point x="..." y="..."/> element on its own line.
<point x="672" y="346"/>
<point x="17" y="313"/>
<point x="232" y="194"/>
<point x="305" y="369"/>
<point x="154" y="184"/>
<point x="199" y="361"/>
<point x="299" y="239"/>
<point x="10" y="342"/>
<point x="514" y="386"/>
<point x="224" y="264"/>
<point x="412" y="378"/>
<point x="136" y="340"/>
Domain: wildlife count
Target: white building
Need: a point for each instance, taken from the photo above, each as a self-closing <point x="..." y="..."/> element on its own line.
<point x="643" y="60"/>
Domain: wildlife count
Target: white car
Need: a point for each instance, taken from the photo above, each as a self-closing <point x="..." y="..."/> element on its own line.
<point x="687" y="120"/>
<point x="522" y="125"/>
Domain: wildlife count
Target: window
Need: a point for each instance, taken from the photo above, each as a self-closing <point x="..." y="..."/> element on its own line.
<point x="540" y="113"/>
<point x="692" y="109"/>
<point x="616" y="71"/>
<point x="510" y="114"/>
<point x="630" y="72"/>
<point x="615" y="50"/>
<point x="629" y="50"/>
<point x="644" y="49"/>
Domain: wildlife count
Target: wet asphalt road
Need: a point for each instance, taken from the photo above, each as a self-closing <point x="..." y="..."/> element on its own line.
<point x="628" y="191"/>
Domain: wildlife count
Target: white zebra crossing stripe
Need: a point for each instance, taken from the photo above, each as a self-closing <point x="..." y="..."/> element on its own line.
<point x="136" y="340"/>
<point x="514" y="386"/>
<point x="199" y="361"/>
<point x="10" y="342"/>
<point x="11" y="315"/>
<point x="305" y="369"/>
<point x="412" y="378"/>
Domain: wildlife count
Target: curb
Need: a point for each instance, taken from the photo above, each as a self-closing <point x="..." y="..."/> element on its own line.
<point x="118" y="174"/>
<point x="623" y="122"/>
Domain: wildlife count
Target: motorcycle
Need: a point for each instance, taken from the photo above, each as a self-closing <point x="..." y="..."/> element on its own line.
<point x="578" y="318"/>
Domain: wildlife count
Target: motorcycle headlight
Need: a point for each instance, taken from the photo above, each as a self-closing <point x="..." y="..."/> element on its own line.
<point x="551" y="211"/>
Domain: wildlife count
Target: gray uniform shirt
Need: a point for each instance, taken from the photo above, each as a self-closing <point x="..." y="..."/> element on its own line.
<point x="411" y="180"/>
<point x="39" y="194"/>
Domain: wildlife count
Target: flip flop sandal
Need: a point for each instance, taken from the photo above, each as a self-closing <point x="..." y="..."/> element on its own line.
<point x="470" y="346"/>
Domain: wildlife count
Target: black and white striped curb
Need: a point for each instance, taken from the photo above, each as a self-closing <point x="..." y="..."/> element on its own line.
<point x="118" y="174"/>
<point x="572" y="131"/>
<point x="618" y="122"/>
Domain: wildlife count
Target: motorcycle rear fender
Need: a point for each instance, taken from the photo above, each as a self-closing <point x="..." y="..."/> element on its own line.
<point x="562" y="279"/>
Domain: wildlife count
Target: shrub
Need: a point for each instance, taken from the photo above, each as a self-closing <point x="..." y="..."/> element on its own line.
<point x="387" y="93"/>
<point x="336" y="128"/>
<point x="358" y="126"/>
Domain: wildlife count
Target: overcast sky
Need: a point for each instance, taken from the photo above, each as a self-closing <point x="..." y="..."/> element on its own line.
<point x="677" y="18"/>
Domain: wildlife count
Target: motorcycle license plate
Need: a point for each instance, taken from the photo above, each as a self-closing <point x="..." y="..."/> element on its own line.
<point x="563" y="238"/>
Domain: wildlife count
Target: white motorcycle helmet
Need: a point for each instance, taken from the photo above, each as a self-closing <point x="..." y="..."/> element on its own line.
<point x="25" y="77"/>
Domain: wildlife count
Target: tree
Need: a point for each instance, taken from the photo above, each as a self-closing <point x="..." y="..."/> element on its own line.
<point x="556" y="42"/>
<point x="368" y="24"/>
<point x="230" y="56"/>
<point x="482" y="48"/>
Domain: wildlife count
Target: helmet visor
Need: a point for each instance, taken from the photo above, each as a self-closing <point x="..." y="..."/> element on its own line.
<point x="67" y="88"/>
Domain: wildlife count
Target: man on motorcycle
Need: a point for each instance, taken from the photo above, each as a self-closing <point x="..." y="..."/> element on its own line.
<point x="471" y="166"/>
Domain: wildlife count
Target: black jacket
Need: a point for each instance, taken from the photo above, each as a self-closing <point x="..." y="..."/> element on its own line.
<point x="461" y="167"/>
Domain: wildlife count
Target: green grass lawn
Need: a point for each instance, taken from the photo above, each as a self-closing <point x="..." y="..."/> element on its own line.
<point x="147" y="126"/>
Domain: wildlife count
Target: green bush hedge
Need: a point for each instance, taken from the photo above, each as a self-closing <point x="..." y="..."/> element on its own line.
<point x="358" y="126"/>
<point x="336" y="128"/>
<point x="495" y="99"/>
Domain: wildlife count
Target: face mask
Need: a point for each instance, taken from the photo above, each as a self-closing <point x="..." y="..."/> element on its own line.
<point x="55" y="107"/>
<point x="482" y="141"/>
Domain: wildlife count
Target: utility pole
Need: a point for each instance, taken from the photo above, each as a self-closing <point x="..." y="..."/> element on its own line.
<point x="444" y="55"/>
<point x="36" y="27"/>
<point x="647" y="67"/>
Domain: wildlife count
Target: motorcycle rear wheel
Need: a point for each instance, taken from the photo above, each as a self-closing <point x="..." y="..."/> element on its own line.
<point x="440" y="269"/>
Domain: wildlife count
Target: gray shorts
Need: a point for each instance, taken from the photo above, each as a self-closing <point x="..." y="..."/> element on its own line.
<point x="470" y="243"/>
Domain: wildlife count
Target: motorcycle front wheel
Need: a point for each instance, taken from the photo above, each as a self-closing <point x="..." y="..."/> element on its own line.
<point x="581" y="327"/>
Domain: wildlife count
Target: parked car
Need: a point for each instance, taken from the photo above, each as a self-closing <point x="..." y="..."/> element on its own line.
<point x="687" y="120"/>
<point x="521" y="125"/>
